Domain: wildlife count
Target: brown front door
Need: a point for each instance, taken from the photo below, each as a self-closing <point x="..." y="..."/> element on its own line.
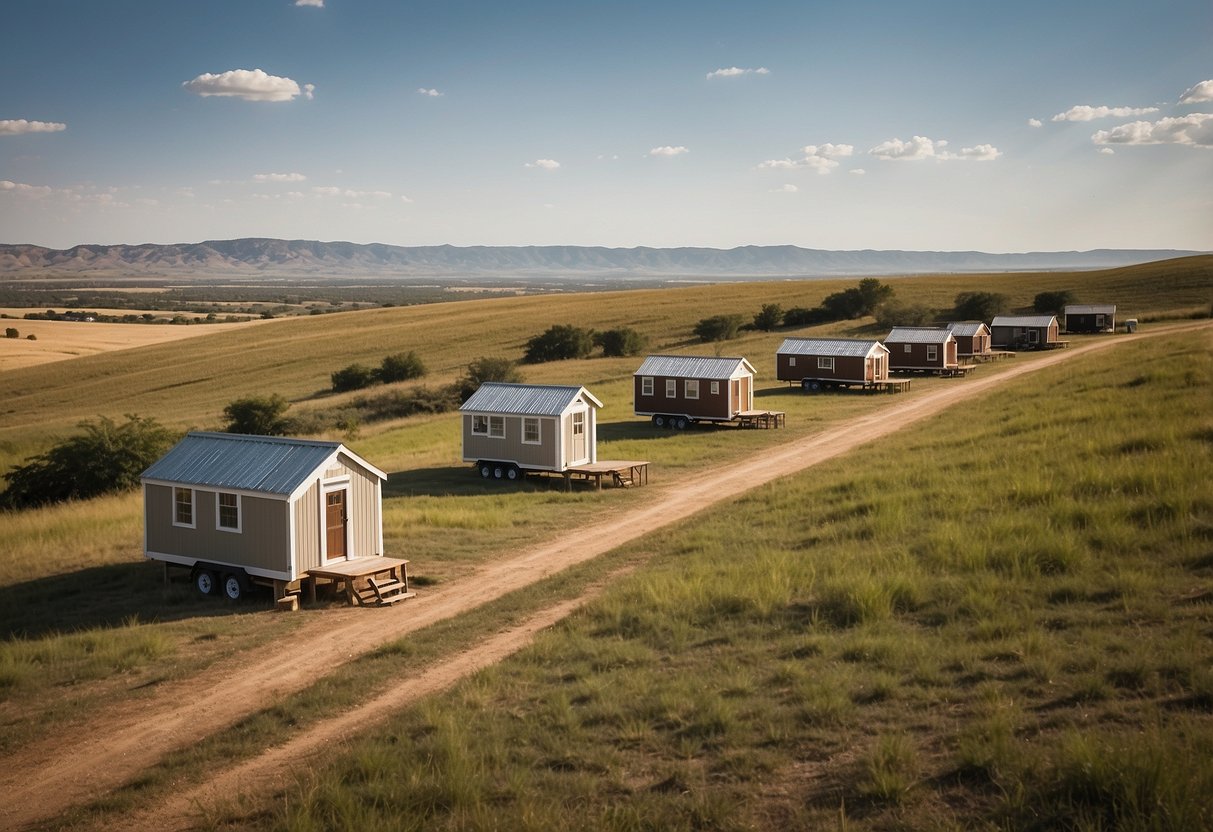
<point x="334" y="524"/>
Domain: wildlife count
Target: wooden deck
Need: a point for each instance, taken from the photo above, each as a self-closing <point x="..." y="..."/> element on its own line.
<point x="353" y="574"/>
<point x="761" y="418"/>
<point x="624" y="473"/>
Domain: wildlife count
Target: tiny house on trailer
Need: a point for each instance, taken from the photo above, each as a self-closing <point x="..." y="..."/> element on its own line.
<point x="816" y="363"/>
<point x="1025" y="332"/>
<point x="972" y="339"/>
<point x="1094" y="317"/>
<point x="923" y="349"/>
<point x="238" y="510"/>
<point x="509" y="429"/>
<point x="676" y="390"/>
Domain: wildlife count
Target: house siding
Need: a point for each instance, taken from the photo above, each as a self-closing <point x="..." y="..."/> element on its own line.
<point x="307" y="529"/>
<point x="362" y="507"/>
<point x="1088" y="322"/>
<point x="916" y="357"/>
<point x="847" y="368"/>
<point x="511" y="447"/>
<point x="262" y="543"/>
<point x="1017" y="336"/>
<point x="707" y="406"/>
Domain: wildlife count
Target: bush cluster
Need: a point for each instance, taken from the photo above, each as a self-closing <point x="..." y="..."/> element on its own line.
<point x="400" y="366"/>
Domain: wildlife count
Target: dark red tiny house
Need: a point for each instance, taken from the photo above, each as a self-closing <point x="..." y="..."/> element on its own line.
<point x="1025" y="332"/>
<point x="679" y="389"/>
<point x="972" y="339"/>
<point x="1092" y="317"/>
<point x="814" y="363"/>
<point x="922" y="349"/>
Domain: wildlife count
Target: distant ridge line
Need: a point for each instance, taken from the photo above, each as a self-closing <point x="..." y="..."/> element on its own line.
<point x="269" y="256"/>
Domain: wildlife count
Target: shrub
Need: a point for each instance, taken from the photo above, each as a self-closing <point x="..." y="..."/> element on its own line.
<point x="396" y="404"/>
<point x="559" y="342"/>
<point x="1052" y="303"/>
<point x="353" y="377"/>
<point x="978" y="306"/>
<point x="400" y="367"/>
<point x="487" y="369"/>
<point x="769" y="317"/>
<point x="904" y="314"/>
<point x="31" y="337"/>
<point x="621" y="342"/>
<point x="106" y="457"/>
<point x="11" y="332"/>
<point x="799" y="316"/>
<point x="718" y="328"/>
<point x="261" y="415"/>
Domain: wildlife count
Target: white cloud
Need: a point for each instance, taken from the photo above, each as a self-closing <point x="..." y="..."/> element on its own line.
<point x="1197" y="94"/>
<point x="348" y="193"/>
<point x="980" y="153"/>
<point x="545" y="164"/>
<point x="667" y="150"/>
<point x="820" y="158"/>
<point x="279" y="177"/>
<point x="19" y="126"/>
<point x="1085" y="112"/>
<point x="432" y="93"/>
<point x="319" y="4"/>
<point x="858" y="171"/>
<point x="1107" y="151"/>
<point x="24" y="189"/>
<point x="404" y="198"/>
<point x="734" y="71"/>
<point x="250" y="85"/>
<point x="1195" y="129"/>
<point x="920" y="147"/>
<point x="785" y="189"/>
<point x="1034" y="122"/>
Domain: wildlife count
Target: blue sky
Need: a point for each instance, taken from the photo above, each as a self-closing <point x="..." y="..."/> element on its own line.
<point x="927" y="125"/>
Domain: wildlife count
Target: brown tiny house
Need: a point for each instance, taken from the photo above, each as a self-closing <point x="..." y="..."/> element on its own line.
<point x="922" y="349"/>
<point x="1100" y="317"/>
<point x="1025" y="332"/>
<point x="972" y="339"/>
<point x="237" y="509"/>
<point x="676" y="390"/>
<point x="817" y="363"/>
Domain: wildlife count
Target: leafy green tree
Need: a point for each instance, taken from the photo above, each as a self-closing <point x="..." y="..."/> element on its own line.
<point x="400" y="367"/>
<point x="799" y="316"/>
<point x="260" y="415"/>
<point x="893" y="314"/>
<point x="353" y="377"/>
<point x="718" y="328"/>
<point x="106" y="457"/>
<point x="872" y="293"/>
<point x="979" y="306"/>
<point x="1053" y="303"/>
<point x="769" y="317"/>
<point x="559" y="342"/>
<point x="621" y="342"/>
<point x="487" y="369"/>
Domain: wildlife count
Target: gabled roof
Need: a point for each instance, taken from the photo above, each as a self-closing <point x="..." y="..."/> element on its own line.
<point x="694" y="366"/>
<point x="526" y="399"/>
<point x="918" y="335"/>
<point x="839" y="347"/>
<point x="1091" y="309"/>
<point x="967" y="328"/>
<point x="1024" y="320"/>
<point x="238" y="462"/>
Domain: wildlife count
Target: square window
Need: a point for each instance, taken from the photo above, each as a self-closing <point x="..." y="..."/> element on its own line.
<point x="183" y="507"/>
<point x="825" y="362"/>
<point x="480" y="424"/>
<point x="691" y="388"/>
<point x="646" y="385"/>
<point x="907" y="348"/>
<point x="229" y="512"/>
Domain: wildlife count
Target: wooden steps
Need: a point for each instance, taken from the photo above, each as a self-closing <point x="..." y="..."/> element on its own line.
<point x="382" y="593"/>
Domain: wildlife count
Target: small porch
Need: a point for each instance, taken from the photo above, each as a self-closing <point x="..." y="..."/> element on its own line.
<point x="367" y="582"/>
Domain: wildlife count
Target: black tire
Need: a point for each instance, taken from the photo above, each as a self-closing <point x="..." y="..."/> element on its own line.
<point x="486" y="470"/>
<point x="659" y="421"/>
<point x="513" y="473"/>
<point x="814" y="386"/>
<point x="499" y="471"/>
<point x="681" y="422"/>
<point x="233" y="587"/>
<point x="805" y="385"/>
<point x="205" y="582"/>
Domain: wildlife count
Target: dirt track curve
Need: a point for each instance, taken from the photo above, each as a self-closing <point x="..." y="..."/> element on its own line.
<point x="46" y="778"/>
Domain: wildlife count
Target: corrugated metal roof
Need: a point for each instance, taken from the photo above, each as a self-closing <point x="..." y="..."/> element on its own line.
<point x="966" y="328"/>
<point x="918" y="335"/>
<point x="839" y="347"/>
<point x="268" y="464"/>
<point x="527" y="399"/>
<point x="1024" y="320"/>
<point x="1091" y="309"/>
<point x="692" y="366"/>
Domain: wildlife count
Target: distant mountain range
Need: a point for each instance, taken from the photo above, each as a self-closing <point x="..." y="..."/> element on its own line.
<point x="271" y="257"/>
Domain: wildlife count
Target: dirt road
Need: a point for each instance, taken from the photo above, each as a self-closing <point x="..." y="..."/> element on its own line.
<point x="46" y="778"/>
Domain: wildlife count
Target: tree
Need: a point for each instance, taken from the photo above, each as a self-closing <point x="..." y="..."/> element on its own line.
<point x="621" y="342"/>
<point x="1053" y="303"/>
<point x="353" y="377"/>
<point x="979" y="306"/>
<point x="718" y="328"/>
<point x="799" y="316"/>
<point x="487" y="369"/>
<point x="769" y="317"/>
<point x="872" y="293"/>
<point x="11" y="332"/>
<point x="260" y="415"/>
<point x="894" y="314"/>
<point x="559" y="342"/>
<point x="106" y="457"/>
<point x="844" y="305"/>
<point x="400" y="367"/>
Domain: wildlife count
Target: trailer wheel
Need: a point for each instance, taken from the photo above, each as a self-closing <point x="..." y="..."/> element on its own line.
<point x="204" y="581"/>
<point x="814" y="386"/>
<point x="513" y="473"/>
<point x="499" y="471"/>
<point x="805" y="385"/>
<point x="681" y="422"/>
<point x="486" y="470"/>
<point x="658" y="420"/>
<point x="233" y="587"/>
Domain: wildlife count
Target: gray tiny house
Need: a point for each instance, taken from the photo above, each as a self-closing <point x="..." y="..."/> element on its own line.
<point x="1025" y="332"/>
<point x="238" y="509"/>
<point x="1091" y="317"/>
<point x="509" y="429"/>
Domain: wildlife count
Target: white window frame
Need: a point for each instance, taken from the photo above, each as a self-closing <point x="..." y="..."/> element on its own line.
<point x="907" y="348"/>
<point x="715" y="387"/>
<point x="825" y="362"/>
<point x="579" y="423"/>
<point x="536" y="422"/>
<point x="671" y="388"/>
<point x="480" y="424"/>
<point x="791" y="361"/>
<point x="646" y="385"/>
<point x="193" y="521"/>
<point x="690" y="388"/>
<point x="497" y="427"/>
<point x="238" y="528"/>
<point x="932" y="352"/>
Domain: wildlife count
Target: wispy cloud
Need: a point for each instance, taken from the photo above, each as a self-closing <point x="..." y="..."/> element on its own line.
<point x="319" y="4"/>
<point x="668" y="150"/>
<point x="785" y="189"/>
<point x="431" y="93"/>
<point x="921" y="147"/>
<point x="821" y="158"/>
<point x="544" y="164"/>
<point x="1085" y="112"/>
<point x="349" y="193"/>
<point x="279" y="177"/>
<point x="24" y="189"/>
<point x="19" y="126"/>
<point x="1035" y="122"/>
<point x="1197" y="94"/>
<point x="249" y="85"/>
<point x="1195" y="130"/>
<point x="734" y="71"/>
